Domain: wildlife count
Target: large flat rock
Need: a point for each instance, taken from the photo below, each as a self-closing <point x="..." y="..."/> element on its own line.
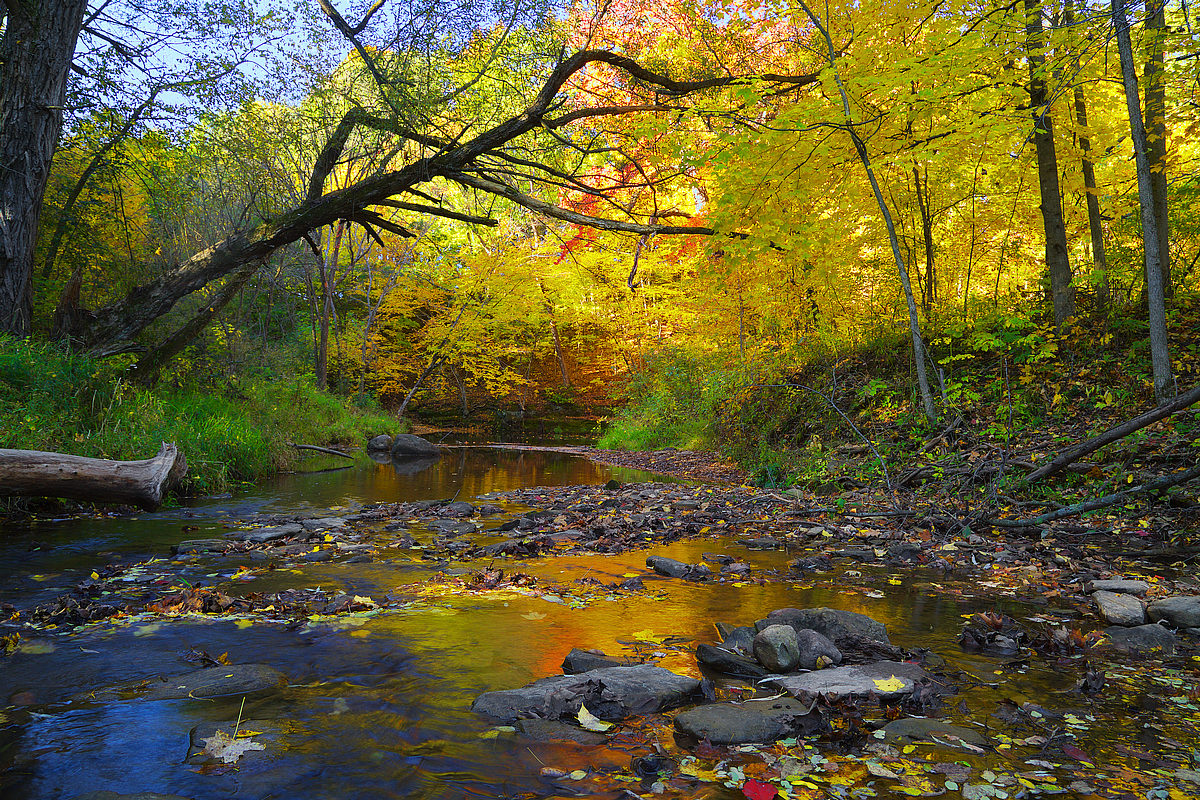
<point x="922" y="729"/>
<point x="756" y="721"/>
<point x="406" y="445"/>
<point x="610" y="693"/>
<point x="1180" y="612"/>
<point x="1140" y="639"/>
<point x="855" y="681"/>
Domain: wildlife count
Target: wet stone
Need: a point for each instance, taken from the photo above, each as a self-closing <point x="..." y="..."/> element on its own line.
<point x="671" y="568"/>
<point x="833" y="623"/>
<point x="1141" y="639"/>
<point x="199" y="546"/>
<point x="578" y="661"/>
<point x="727" y="662"/>
<point x="1120" y="586"/>
<point x="406" y="445"/>
<point x="1120" y="609"/>
<point x="815" y="646"/>
<point x="854" y="681"/>
<point x="918" y="729"/>
<point x="1178" y="612"/>
<point x="777" y="649"/>
<point x="459" y="508"/>
<point x="761" y="543"/>
<point x="758" y="721"/>
<point x="740" y="637"/>
<point x="323" y="523"/>
<point x="552" y="730"/>
<point x="610" y="693"/>
<point x="263" y="535"/>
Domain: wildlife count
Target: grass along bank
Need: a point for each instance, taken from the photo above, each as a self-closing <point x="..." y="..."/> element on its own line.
<point x="229" y="430"/>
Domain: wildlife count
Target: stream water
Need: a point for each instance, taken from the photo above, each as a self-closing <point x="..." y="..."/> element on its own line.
<point x="377" y="706"/>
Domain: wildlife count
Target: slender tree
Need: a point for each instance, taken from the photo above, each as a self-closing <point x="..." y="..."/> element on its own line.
<point x="1160" y="359"/>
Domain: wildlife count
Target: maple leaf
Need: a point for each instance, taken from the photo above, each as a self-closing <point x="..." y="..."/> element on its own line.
<point x="758" y="790"/>
<point x="223" y="747"/>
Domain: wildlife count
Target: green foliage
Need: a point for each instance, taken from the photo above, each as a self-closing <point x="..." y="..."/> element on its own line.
<point x="673" y="403"/>
<point x="239" y="431"/>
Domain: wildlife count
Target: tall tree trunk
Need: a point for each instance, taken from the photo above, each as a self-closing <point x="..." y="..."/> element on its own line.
<point x="860" y="147"/>
<point x="1155" y="302"/>
<point x="1057" y="261"/>
<point x="1095" y="224"/>
<point x="1156" y="132"/>
<point x="36" y="49"/>
<point x="328" y="267"/>
<point x="930" y="289"/>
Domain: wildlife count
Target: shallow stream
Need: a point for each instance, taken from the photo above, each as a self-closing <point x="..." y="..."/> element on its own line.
<point x="377" y="704"/>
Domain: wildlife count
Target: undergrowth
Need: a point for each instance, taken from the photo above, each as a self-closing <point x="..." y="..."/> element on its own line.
<point x="229" y="431"/>
<point x="837" y="417"/>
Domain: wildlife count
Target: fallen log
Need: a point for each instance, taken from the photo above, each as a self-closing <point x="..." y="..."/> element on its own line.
<point x="316" y="448"/>
<point x="33" y="473"/>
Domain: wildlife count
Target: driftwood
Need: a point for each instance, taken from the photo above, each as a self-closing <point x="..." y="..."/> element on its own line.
<point x="327" y="450"/>
<point x="33" y="473"/>
<point x="1073" y="454"/>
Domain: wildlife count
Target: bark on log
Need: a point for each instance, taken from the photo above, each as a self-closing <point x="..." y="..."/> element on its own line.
<point x="33" y="473"/>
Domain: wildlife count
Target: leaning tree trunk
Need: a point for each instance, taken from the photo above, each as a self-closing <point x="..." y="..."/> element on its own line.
<point x="1160" y="359"/>
<point x="1057" y="260"/>
<point x="36" y="49"/>
<point x="33" y="473"/>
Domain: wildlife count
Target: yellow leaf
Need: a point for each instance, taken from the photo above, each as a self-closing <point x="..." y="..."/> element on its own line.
<point x="590" y="721"/>
<point x="890" y="685"/>
<point x="95" y="576"/>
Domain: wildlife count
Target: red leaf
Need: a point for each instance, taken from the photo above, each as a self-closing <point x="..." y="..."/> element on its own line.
<point x="1077" y="754"/>
<point x="757" y="790"/>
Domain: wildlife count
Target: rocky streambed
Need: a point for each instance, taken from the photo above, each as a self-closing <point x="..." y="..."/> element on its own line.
<point x="1074" y="669"/>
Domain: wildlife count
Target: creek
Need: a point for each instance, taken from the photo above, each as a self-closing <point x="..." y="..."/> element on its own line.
<point x="377" y="705"/>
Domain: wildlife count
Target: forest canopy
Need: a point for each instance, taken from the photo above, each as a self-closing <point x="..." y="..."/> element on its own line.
<point x="495" y="203"/>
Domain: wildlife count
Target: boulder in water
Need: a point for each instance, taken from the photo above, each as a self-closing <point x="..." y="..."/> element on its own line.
<point x="406" y="445"/>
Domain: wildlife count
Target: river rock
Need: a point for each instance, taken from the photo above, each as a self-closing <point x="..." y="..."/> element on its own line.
<point x="380" y="443"/>
<point x="832" y="623"/>
<point x="199" y="546"/>
<point x="405" y="445"/>
<point x="106" y="795"/>
<point x="1120" y="586"/>
<point x="776" y="648"/>
<point x="1178" y="612"/>
<point x="453" y="527"/>
<point x="553" y="730"/>
<point x="1140" y="639"/>
<point x="271" y="534"/>
<point x="323" y="523"/>
<point x="578" y="661"/>
<point x="218" y="682"/>
<point x="610" y="693"/>
<point x="759" y="721"/>
<point x="813" y="646"/>
<point x="1120" y="609"/>
<point x="854" y="681"/>
<point x="739" y="638"/>
<point x="728" y="662"/>
<point x="459" y="508"/>
<point x="919" y="729"/>
<point x="671" y="568"/>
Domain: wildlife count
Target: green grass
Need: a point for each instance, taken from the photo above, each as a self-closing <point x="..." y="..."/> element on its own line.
<point x="229" y="431"/>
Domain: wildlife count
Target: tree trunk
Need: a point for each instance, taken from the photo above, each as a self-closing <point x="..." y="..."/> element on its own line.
<point x="1095" y="223"/>
<point x="1160" y="359"/>
<point x="33" y="473"/>
<point x="930" y="289"/>
<point x="1057" y="260"/>
<point x="860" y="147"/>
<point x="1156" y="132"/>
<point x="36" y="49"/>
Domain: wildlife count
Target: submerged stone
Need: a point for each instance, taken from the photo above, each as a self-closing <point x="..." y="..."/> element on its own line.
<point x="218" y="682"/>
<point x="271" y="534"/>
<point x="753" y="721"/>
<point x="919" y="729"/>
<point x="553" y="730"/>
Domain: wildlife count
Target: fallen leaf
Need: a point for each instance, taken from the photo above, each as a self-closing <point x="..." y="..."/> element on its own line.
<point x="223" y="748"/>
<point x="758" y="790"/>
<point x="889" y="685"/>
<point x="590" y="721"/>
